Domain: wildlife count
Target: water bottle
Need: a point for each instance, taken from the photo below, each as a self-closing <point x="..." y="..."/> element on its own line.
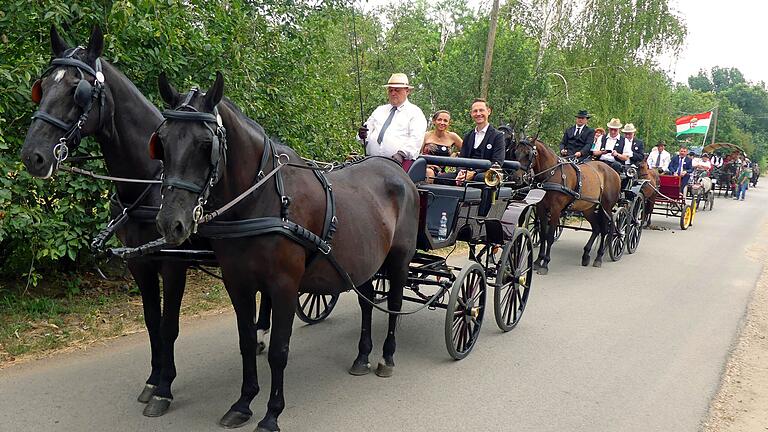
<point x="442" y="233"/>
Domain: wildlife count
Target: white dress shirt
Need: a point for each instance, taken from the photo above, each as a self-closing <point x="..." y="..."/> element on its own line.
<point x="610" y="143"/>
<point x="405" y="133"/>
<point x="480" y="136"/>
<point x="663" y="163"/>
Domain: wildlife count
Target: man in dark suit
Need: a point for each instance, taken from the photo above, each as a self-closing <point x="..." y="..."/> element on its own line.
<point x="577" y="140"/>
<point x="681" y="165"/>
<point x="637" y="146"/>
<point x="482" y="142"/>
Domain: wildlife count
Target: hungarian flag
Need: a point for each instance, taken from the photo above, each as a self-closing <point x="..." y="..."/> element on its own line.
<point x="693" y="124"/>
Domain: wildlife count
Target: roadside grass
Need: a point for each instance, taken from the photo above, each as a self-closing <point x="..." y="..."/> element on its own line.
<point x="67" y="312"/>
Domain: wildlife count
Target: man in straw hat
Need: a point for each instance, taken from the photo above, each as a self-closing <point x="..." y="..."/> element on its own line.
<point x="396" y="129"/>
<point x="578" y="139"/>
<point x="634" y="143"/>
<point x="659" y="157"/>
<point x="611" y="148"/>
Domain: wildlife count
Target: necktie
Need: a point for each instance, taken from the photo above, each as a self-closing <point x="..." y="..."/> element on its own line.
<point x="658" y="160"/>
<point x="386" y="125"/>
<point x="578" y="131"/>
<point x="682" y="161"/>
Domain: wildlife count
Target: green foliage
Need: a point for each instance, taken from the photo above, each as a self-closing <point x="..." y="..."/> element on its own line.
<point x="291" y="66"/>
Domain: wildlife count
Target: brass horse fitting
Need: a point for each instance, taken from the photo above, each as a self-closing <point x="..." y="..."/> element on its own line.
<point x="494" y="176"/>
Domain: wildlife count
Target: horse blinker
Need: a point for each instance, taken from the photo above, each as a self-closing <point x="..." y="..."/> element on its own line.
<point x="155" y="147"/>
<point x="83" y="93"/>
<point x="37" y="92"/>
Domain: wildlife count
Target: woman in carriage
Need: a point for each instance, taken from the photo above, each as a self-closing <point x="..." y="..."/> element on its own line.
<point x="440" y="142"/>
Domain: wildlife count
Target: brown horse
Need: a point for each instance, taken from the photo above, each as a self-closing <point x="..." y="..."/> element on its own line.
<point x="649" y="189"/>
<point x="211" y="154"/>
<point x="594" y="198"/>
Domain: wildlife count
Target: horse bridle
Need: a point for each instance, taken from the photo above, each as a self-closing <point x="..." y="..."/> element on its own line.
<point x="86" y="94"/>
<point x="188" y="113"/>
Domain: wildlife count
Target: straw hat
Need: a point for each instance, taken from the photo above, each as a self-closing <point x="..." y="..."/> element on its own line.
<point x="629" y="128"/>
<point x="398" y="80"/>
<point x="614" y="124"/>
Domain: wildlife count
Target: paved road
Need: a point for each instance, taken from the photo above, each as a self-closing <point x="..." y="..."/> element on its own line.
<point x="638" y="345"/>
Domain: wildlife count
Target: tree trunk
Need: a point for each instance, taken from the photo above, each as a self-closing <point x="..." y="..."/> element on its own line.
<point x="486" y="78"/>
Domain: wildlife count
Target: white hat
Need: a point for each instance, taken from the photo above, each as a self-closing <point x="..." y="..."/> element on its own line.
<point x="398" y="80"/>
<point x="614" y="124"/>
<point x="629" y="128"/>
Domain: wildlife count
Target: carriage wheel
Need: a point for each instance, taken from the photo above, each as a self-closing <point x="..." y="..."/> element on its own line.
<point x="380" y="288"/>
<point x="513" y="280"/>
<point x="531" y="224"/>
<point x="313" y="308"/>
<point x="619" y="234"/>
<point x="465" y="310"/>
<point x="635" y="226"/>
<point x="685" y="217"/>
<point x="694" y="209"/>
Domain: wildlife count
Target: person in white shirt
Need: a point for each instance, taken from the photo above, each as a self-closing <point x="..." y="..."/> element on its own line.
<point x="659" y="157"/>
<point x="612" y="149"/>
<point x="396" y="129"/>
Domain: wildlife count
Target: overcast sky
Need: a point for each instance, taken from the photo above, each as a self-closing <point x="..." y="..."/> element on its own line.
<point x="731" y="33"/>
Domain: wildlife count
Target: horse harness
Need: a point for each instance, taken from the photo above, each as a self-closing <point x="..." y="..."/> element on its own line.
<point x="86" y="94"/>
<point x="555" y="186"/>
<point x="206" y="226"/>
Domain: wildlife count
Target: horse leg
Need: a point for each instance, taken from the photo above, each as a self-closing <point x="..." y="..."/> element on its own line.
<point x="648" y="211"/>
<point x="398" y="274"/>
<point x="361" y="365"/>
<point x="242" y="297"/>
<point x="284" y="309"/>
<point x="544" y="236"/>
<point x="174" y="279"/>
<point x="594" y="222"/>
<point x="262" y="322"/>
<point x="146" y="277"/>
<point x="554" y="221"/>
<point x="605" y="224"/>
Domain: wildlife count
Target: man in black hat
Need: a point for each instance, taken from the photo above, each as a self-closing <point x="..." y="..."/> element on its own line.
<point x="577" y="140"/>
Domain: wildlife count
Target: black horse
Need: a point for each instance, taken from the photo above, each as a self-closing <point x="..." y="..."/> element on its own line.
<point x="213" y="153"/>
<point x="121" y="119"/>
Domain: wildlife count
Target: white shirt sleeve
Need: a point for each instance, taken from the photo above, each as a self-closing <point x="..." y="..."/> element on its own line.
<point x="417" y="128"/>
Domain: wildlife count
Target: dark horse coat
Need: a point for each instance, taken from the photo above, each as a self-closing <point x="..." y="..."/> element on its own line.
<point x="377" y="207"/>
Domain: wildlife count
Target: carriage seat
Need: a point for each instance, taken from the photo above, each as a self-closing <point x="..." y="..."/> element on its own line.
<point x="458" y="192"/>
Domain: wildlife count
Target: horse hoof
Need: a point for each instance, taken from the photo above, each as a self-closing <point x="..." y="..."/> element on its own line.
<point x="147" y="393"/>
<point x="585" y="261"/>
<point x="267" y="426"/>
<point x="234" y="419"/>
<point x="360" y="369"/>
<point x="157" y="406"/>
<point x="260" y="347"/>
<point x="263" y="429"/>
<point x="384" y="370"/>
<point x="597" y="264"/>
<point x="542" y="271"/>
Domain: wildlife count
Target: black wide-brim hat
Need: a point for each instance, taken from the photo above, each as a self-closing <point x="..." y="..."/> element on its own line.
<point x="583" y="113"/>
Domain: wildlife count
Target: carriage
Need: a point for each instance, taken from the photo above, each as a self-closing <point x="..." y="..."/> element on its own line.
<point x="673" y="199"/>
<point x="487" y="216"/>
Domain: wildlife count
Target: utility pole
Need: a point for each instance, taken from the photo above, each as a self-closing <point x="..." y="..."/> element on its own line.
<point x="486" y="77"/>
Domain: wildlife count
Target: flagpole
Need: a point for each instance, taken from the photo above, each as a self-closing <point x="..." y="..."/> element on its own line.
<point x="714" y="129"/>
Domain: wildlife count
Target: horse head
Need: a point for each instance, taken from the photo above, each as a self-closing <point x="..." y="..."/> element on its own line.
<point x="73" y="102"/>
<point x="191" y="143"/>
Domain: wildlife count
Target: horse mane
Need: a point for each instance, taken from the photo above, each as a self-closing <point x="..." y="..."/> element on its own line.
<point x="252" y="123"/>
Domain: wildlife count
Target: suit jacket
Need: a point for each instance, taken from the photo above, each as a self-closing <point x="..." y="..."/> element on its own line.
<point x="638" y="151"/>
<point x="581" y="143"/>
<point x="674" y="164"/>
<point x="492" y="146"/>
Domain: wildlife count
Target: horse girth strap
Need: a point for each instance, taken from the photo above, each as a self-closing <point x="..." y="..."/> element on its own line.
<point x="264" y="226"/>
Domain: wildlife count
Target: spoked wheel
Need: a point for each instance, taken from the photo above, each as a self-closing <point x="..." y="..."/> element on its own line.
<point x="513" y="280"/>
<point x="531" y="224"/>
<point x="685" y="217"/>
<point x="619" y="234"/>
<point x="465" y="311"/>
<point x="380" y="288"/>
<point x="694" y="209"/>
<point x="635" y="225"/>
<point x="313" y="308"/>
